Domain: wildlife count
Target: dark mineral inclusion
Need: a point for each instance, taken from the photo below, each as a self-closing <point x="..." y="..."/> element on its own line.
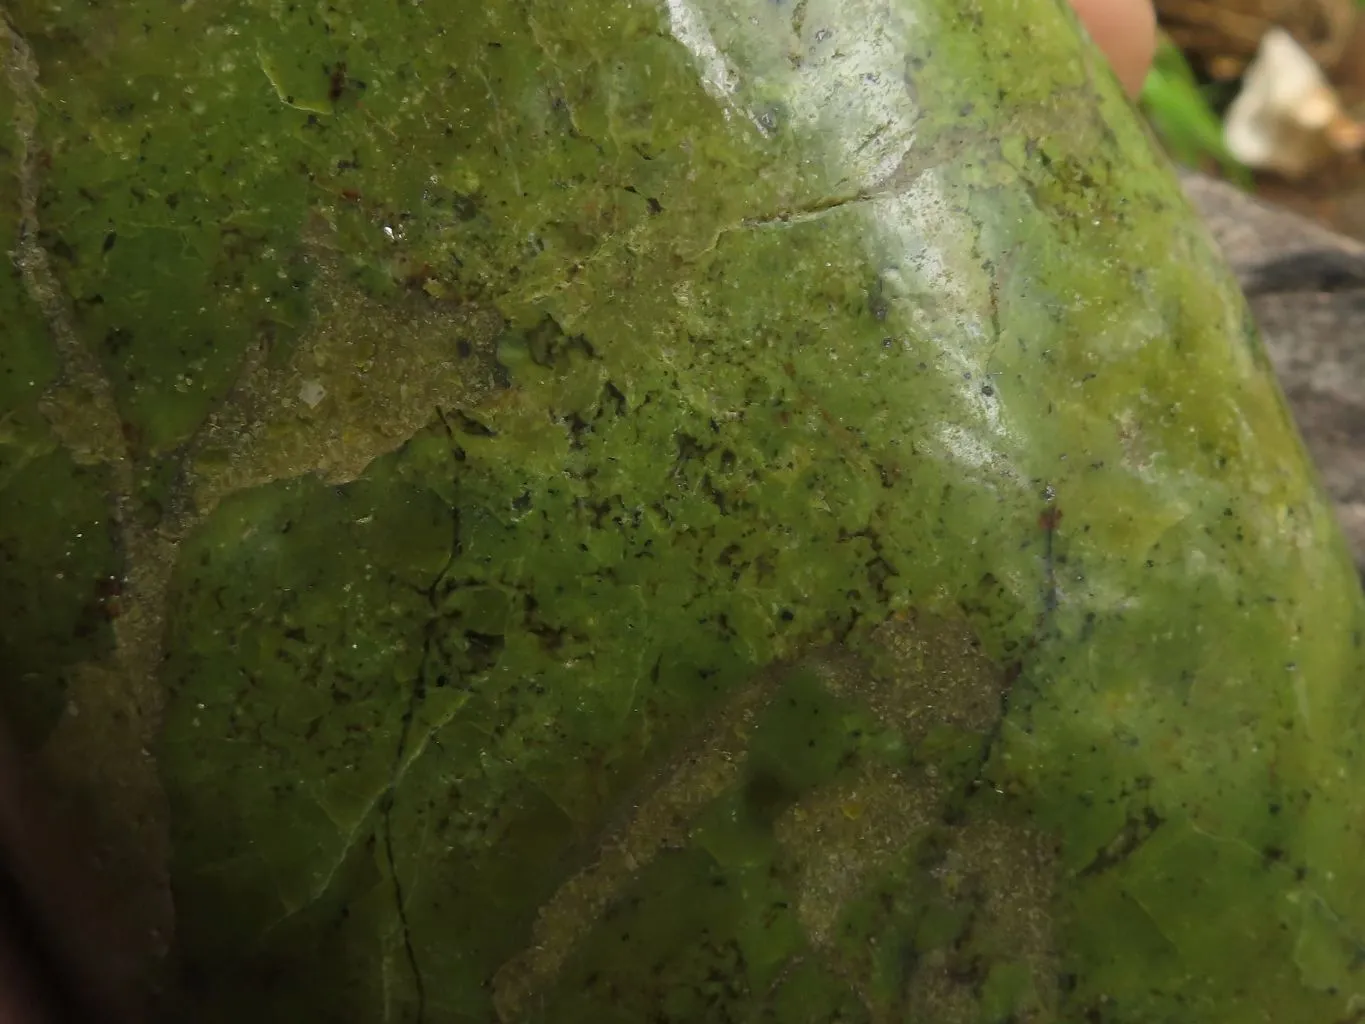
<point x="564" y="511"/>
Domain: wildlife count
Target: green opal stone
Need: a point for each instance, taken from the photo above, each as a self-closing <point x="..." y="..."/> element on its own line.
<point x="692" y="511"/>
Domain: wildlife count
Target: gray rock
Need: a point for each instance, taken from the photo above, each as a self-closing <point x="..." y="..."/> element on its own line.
<point x="1306" y="286"/>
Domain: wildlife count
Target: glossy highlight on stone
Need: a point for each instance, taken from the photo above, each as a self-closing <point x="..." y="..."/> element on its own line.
<point x="673" y="510"/>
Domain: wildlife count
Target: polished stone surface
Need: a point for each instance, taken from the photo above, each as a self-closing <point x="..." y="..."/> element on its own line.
<point x="693" y="510"/>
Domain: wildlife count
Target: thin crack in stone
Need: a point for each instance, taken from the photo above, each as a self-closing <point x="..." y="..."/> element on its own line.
<point x="814" y="211"/>
<point x="919" y="160"/>
<point x="399" y="900"/>
<point x="387" y="800"/>
<point x="348" y="843"/>
<point x="401" y="761"/>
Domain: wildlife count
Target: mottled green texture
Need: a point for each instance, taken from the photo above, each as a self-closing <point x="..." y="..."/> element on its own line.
<point x="684" y="511"/>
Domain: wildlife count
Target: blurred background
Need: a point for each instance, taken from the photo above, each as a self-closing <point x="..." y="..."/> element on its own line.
<point x="1269" y="95"/>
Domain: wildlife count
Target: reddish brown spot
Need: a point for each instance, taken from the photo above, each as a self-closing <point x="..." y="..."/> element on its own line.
<point x="1049" y="518"/>
<point x="336" y="84"/>
<point x="420" y="276"/>
<point x="350" y="195"/>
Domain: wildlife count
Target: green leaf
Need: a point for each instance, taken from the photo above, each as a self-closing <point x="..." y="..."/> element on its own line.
<point x="1180" y="113"/>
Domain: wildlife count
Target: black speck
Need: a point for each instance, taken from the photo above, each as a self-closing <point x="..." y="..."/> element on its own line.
<point x="116" y="340"/>
<point x="466" y="207"/>
<point x="469" y="425"/>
